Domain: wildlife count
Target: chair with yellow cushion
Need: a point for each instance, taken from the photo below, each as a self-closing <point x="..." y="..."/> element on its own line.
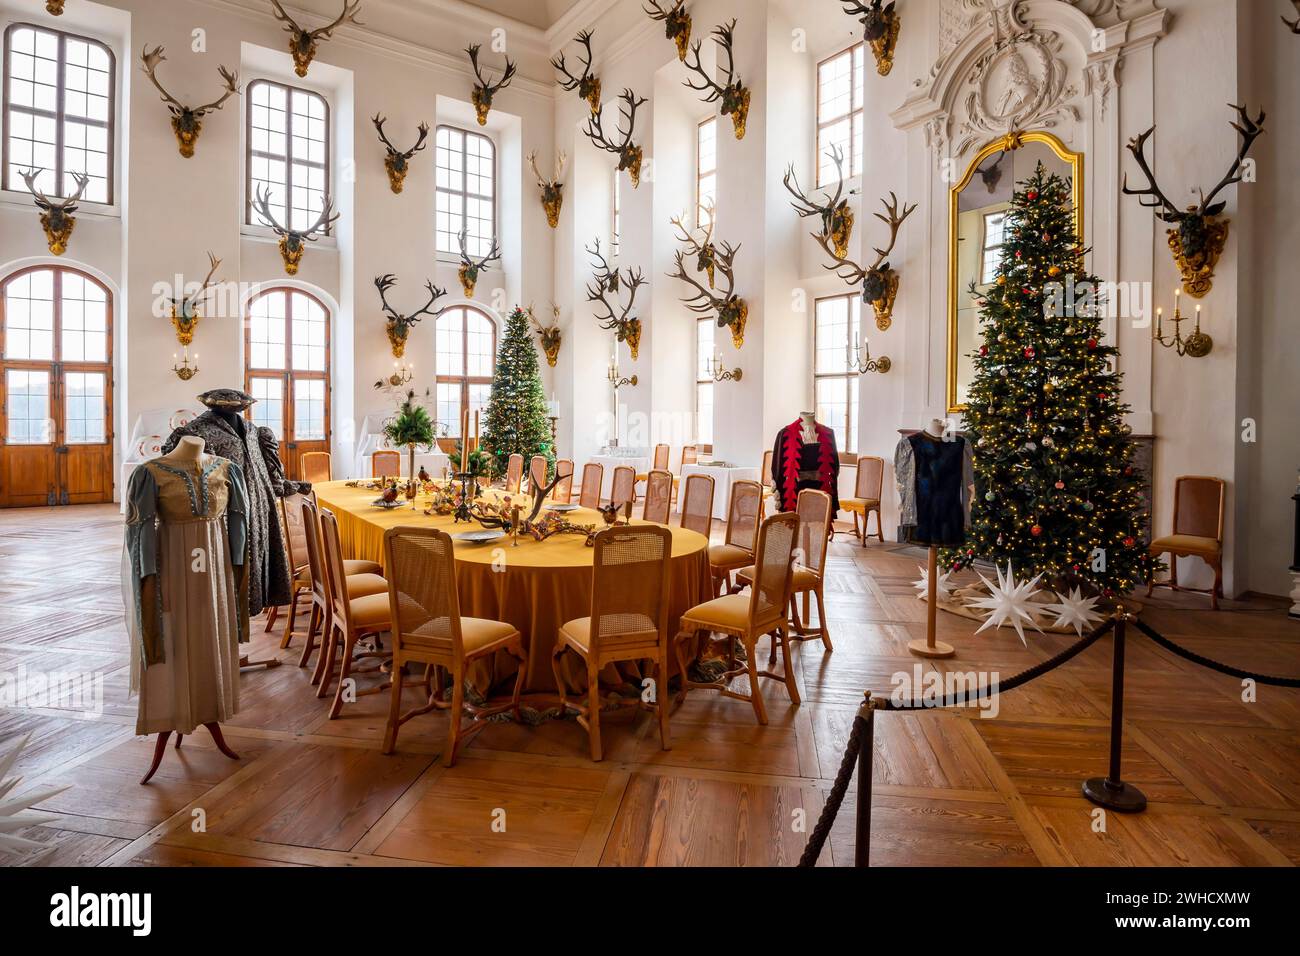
<point x="593" y="473"/>
<point x="424" y="606"/>
<point x="659" y="463"/>
<point x="1198" y="532"/>
<point x="622" y="489"/>
<point x="563" y="493"/>
<point x="537" y="469"/>
<point x="697" y="504"/>
<point x="386" y="463"/>
<point x="364" y="577"/>
<point x="514" y="473"/>
<point x="866" y="496"/>
<point x="628" y="622"/>
<point x="737" y="549"/>
<point x="747" y="617"/>
<point x="315" y="467"/>
<point x="658" y="497"/>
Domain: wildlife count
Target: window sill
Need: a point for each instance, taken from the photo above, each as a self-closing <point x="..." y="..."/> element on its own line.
<point x="21" y="199"/>
<point x="266" y="234"/>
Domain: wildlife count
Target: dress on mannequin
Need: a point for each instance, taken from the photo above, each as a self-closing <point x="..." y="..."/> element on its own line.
<point x="805" y="456"/>
<point x="934" y="472"/>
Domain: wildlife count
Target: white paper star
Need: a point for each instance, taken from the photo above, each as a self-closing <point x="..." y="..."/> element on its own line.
<point x="1075" y="611"/>
<point x="15" y="812"/>
<point x="941" y="584"/>
<point x="1008" y="602"/>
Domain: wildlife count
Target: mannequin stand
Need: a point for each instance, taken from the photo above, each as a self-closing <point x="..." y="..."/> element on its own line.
<point x="160" y="747"/>
<point x="930" y="647"/>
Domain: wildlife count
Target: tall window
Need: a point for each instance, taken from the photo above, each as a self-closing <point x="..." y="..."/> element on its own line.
<point x="706" y="168"/>
<point x="616" y="227"/>
<point x="288" y="152"/>
<point x="288" y="360"/>
<point x="993" y="238"/>
<point x="704" y="331"/>
<point x="839" y="111"/>
<point x="466" y="176"/>
<point x="58" y="111"/>
<point x="838" y="325"/>
<point x="466" y="354"/>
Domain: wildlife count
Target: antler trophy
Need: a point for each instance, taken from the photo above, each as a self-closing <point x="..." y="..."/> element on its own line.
<point x="302" y="43"/>
<point x="187" y="122"/>
<point x="184" y="311"/>
<point x="834" y="211"/>
<point x="56" y="214"/>
<point x="548" y="335"/>
<point x="879" y="281"/>
<point x="703" y="249"/>
<point x="293" y="242"/>
<point x="552" y="189"/>
<point x="588" y="84"/>
<point x="54" y="7"/>
<point x="730" y="309"/>
<point x="1293" y="24"/>
<point x="1199" y="238"/>
<point x="880" y="26"/>
<point x="471" y="267"/>
<point x="677" y="23"/>
<point x="731" y="93"/>
<point x="485" y="89"/>
<point x="400" y="325"/>
<point x="397" y="162"/>
<point x="617" y="317"/>
<point x="629" y="154"/>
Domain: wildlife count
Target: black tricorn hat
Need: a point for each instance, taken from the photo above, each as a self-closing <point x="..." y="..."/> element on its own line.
<point x="226" y="398"/>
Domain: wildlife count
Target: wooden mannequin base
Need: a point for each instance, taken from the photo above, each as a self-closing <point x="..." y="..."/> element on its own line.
<point x="160" y="747"/>
<point x="923" y="649"/>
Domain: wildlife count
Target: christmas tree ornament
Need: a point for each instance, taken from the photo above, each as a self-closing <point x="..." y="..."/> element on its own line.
<point x="1075" y="611"/>
<point x="1009" y="602"/>
<point x="16" y="812"/>
<point x="942" y="588"/>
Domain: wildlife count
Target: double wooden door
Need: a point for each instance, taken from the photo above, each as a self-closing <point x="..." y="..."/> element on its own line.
<point x="56" y="389"/>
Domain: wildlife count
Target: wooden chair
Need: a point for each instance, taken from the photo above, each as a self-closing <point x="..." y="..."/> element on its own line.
<point x="316" y="467"/>
<point x="628" y="622"/>
<point x="747" y="617"/>
<point x="765" y="475"/>
<point x="622" y="490"/>
<point x="363" y="578"/>
<point x="813" y="510"/>
<point x="658" y="496"/>
<point x="593" y="473"/>
<point x="351" y="619"/>
<point x="424" y="607"/>
<point x="866" y="496"/>
<point x="658" y="463"/>
<point x="514" y="473"/>
<point x="538" y="466"/>
<point x="1198" y="532"/>
<point x="386" y="464"/>
<point x="737" y="551"/>
<point x="690" y="455"/>
<point x="563" y="493"/>
<point x="697" y="504"/>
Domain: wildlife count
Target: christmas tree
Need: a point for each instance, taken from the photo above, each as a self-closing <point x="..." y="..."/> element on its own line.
<point x="516" y="411"/>
<point x="1056" y="492"/>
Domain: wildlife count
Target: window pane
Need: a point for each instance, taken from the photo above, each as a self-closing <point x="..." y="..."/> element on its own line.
<point x="29" y="407"/>
<point x="84" y="408"/>
<point x="84" y="336"/>
<point x="465" y="174"/>
<point x="266" y="330"/>
<point x="832" y="336"/>
<point x="833" y="406"/>
<point x="310" y="330"/>
<point x="309" y="409"/>
<point x="480" y="361"/>
<point x="29" y="316"/>
<point x="839" y="112"/>
<point x="450" y="343"/>
<point x="835" y="87"/>
<point x="288" y="152"/>
<point x="708" y="146"/>
<point x="704" y="413"/>
<point x="269" y="410"/>
<point x="449" y="408"/>
<point x="704" y="339"/>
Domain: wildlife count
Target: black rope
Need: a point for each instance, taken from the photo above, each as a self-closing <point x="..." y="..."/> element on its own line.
<point x="1214" y="665"/>
<point x="823" y="828"/>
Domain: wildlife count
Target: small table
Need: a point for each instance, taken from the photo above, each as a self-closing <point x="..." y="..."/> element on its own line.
<point x="722" y="481"/>
<point x="639" y="465"/>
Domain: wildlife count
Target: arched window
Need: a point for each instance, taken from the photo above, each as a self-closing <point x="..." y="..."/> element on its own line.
<point x="56" y="342"/>
<point x="287" y="367"/>
<point x="465" y="164"/>
<point x="58" y="111"/>
<point x="466" y="356"/>
<point x="288" y="141"/>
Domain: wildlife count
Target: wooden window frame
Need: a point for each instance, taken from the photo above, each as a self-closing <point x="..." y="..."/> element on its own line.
<point x="464" y="193"/>
<point x="466" y="380"/>
<point x="699" y="173"/>
<point x="288" y="375"/>
<point x="250" y="218"/>
<point x="847" y="376"/>
<point x="702" y="379"/>
<point x="59" y="116"/>
<point x="822" y="124"/>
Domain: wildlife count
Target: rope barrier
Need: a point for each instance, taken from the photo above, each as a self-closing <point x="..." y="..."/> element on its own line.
<point x="1213" y="665"/>
<point x="852" y="749"/>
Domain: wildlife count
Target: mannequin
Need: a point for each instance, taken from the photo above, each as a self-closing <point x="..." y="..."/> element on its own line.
<point x="805" y="456"/>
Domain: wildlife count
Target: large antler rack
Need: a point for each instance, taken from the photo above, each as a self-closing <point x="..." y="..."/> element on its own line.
<point x="187" y="121"/>
<point x="879" y="281"/>
<point x="834" y="211"/>
<point x="702" y="248"/>
<point x="485" y="89"/>
<point x="470" y="267"/>
<point x="729" y="309"/>
<point x="629" y="154"/>
<point x="588" y="83"/>
<point x="397" y="161"/>
<point x="293" y="242"/>
<point x="731" y="94"/>
<point x="302" y="42"/>
<point x="552" y="189"/>
<point x="400" y="324"/>
<point x="617" y="316"/>
<point x="676" y="20"/>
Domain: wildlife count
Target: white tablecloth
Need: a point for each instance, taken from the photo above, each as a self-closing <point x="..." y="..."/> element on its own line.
<point x="722" y="479"/>
<point x="433" y="462"/>
<point x="639" y="466"/>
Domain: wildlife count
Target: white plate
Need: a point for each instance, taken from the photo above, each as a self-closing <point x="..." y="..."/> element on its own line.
<point x="563" y="508"/>
<point x="480" y="537"/>
<point x="381" y="503"/>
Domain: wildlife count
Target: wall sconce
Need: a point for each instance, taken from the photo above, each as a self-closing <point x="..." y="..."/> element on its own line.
<point x="403" y="372"/>
<point x="1197" y="345"/>
<point x="614" y="380"/>
<point x="185" y="371"/>
<point x="862" y="361"/>
<point x="719" y="372"/>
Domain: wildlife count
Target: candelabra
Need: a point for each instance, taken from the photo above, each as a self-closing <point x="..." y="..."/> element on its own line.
<point x="185" y="371"/>
<point x="862" y="362"/>
<point x="1197" y="345"/>
<point x="617" y="382"/>
<point x="714" y="368"/>
<point x="402" y="374"/>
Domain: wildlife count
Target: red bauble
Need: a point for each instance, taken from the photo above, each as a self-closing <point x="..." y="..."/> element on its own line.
<point x="1060" y="485"/>
<point x="1029" y="352"/>
<point x="1092" y="343"/>
<point x="1128" y="542"/>
<point x="1036" y="530"/>
<point x="1031" y="195"/>
<point x="984" y="350"/>
<point x="1101" y="396"/>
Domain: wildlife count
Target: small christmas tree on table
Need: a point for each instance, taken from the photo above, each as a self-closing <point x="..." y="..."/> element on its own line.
<point x="516" y="412"/>
<point x="412" y="426"/>
<point x="1056" y="492"/>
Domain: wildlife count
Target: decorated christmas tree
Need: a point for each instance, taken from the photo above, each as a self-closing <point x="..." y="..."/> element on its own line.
<point x="1056" y="492"/>
<point x="516" y="411"/>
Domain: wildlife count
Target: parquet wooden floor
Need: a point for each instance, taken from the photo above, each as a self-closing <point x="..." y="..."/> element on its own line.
<point x="952" y="788"/>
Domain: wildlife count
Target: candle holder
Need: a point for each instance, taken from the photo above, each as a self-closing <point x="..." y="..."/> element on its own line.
<point x="1197" y="344"/>
<point x="185" y="371"/>
<point x="469" y="491"/>
<point x="719" y="372"/>
<point x="862" y="362"/>
<point x="402" y="375"/>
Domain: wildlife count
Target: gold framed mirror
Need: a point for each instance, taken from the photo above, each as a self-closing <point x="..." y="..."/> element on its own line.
<point x="976" y="211"/>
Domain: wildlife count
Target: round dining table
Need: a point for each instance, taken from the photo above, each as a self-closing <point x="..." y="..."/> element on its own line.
<point x="534" y="585"/>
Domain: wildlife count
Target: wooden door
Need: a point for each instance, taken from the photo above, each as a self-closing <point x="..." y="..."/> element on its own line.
<point x="56" y="389"/>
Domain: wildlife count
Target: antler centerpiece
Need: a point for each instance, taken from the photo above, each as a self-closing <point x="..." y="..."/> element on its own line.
<point x="470" y="267"/>
<point x="552" y="189"/>
<point x="629" y="153"/>
<point x="616" y="316"/>
<point x="293" y="242"/>
<point x="484" y="90"/>
<point x="677" y="23"/>
<point x="302" y="43"/>
<point x="730" y="310"/>
<point x="400" y="324"/>
<point x="187" y="121"/>
<point x="1199" y="236"/>
<point x="57" y="217"/>
<point x="731" y="95"/>
<point x="588" y="84"/>
<point x="879" y="281"/>
<point x="548" y="335"/>
<point x="880" y="26"/>
<point x="398" y="161"/>
<point x="185" y="310"/>
<point x="835" y="213"/>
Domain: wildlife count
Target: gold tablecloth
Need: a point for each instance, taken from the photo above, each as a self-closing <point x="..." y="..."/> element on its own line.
<point x="536" y="586"/>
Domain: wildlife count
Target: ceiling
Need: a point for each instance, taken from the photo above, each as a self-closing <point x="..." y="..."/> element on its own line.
<point x="538" y="13"/>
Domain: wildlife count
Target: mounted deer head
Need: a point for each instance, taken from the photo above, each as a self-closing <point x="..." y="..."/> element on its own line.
<point x="730" y="310"/>
<point x="485" y="89"/>
<point x="616" y="316"/>
<point x="706" y="254"/>
<point x="471" y="267"/>
<point x="629" y="154"/>
<point x="56" y="214"/>
<point x="677" y="23"/>
<point x="731" y="93"/>
<point x="879" y="281"/>
<point x="185" y="310"/>
<point x="548" y="335"/>
<point x="54" y="7"/>
<point x="1293" y="24"/>
<point x="552" y="189"/>
<point x="834" y="211"/>
<point x="1199" y="238"/>
<point x="588" y="84"/>
<point x="302" y="43"/>
<point x="880" y="26"/>
<point x="990" y="174"/>
<point x="293" y="242"/>
<point x="397" y="162"/>
<point x="187" y="121"/>
<point x="399" y="324"/>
